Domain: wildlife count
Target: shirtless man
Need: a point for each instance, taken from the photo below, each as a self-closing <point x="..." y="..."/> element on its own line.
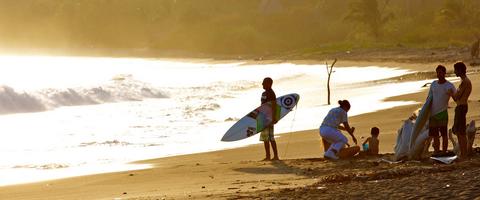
<point x="461" y="98"/>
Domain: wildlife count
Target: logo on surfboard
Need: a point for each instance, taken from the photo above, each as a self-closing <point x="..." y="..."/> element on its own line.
<point x="251" y="131"/>
<point x="288" y="101"/>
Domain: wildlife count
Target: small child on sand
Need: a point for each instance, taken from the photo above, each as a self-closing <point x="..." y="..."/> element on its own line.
<point x="370" y="146"/>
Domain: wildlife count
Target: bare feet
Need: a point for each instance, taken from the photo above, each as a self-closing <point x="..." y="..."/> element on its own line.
<point x="266" y="159"/>
<point x="276" y="158"/>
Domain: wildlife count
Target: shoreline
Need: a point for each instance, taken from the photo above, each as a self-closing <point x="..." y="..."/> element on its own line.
<point x="396" y="56"/>
<point x="191" y="176"/>
<point x="56" y="174"/>
<point x="373" y="54"/>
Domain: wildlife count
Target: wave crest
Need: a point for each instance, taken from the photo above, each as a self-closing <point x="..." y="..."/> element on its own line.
<point x="42" y="167"/>
<point x="106" y="143"/>
<point x="124" y="89"/>
<point x="13" y="102"/>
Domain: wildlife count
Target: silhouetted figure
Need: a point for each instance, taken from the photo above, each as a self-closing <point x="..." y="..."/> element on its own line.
<point x="370" y="146"/>
<point x="461" y="98"/>
<point x="267" y="135"/>
<point x="441" y="90"/>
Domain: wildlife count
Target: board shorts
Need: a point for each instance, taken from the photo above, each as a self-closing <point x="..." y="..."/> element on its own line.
<point x="267" y="134"/>
<point x="460" y="120"/>
<point x="438" y="120"/>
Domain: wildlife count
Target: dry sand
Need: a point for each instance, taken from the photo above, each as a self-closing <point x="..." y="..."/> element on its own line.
<point x="301" y="174"/>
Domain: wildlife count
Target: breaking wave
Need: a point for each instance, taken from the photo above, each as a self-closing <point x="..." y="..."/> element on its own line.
<point x="105" y="143"/>
<point x="120" y="88"/>
<point x="42" y="167"/>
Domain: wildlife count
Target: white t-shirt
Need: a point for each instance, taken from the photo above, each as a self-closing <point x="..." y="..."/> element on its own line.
<point x="440" y="96"/>
<point x="335" y="117"/>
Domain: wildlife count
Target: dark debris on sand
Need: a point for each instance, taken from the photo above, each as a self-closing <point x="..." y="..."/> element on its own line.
<point x="362" y="179"/>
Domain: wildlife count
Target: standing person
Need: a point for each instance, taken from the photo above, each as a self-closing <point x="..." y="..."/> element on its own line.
<point x="267" y="135"/>
<point x="438" y="122"/>
<point x="461" y="98"/>
<point x="334" y="141"/>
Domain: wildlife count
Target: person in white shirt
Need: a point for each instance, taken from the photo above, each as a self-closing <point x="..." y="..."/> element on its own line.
<point x="333" y="140"/>
<point x="440" y="91"/>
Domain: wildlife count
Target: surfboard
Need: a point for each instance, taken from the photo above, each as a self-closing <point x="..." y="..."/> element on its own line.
<point x="418" y="150"/>
<point x="446" y="160"/>
<point x="422" y="119"/>
<point x="260" y="118"/>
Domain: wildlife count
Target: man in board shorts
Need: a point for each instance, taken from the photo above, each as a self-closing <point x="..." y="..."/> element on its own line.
<point x="461" y="98"/>
<point x="438" y="122"/>
<point x="267" y="135"/>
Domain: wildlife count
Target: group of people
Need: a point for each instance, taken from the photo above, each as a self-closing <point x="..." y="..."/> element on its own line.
<point x="334" y="142"/>
<point x="441" y="91"/>
<point x="336" y="145"/>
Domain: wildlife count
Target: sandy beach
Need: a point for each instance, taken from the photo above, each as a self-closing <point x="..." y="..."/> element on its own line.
<point x="302" y="172"/>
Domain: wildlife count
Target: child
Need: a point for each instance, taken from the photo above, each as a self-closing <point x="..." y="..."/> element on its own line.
<point x="370" y="146"/>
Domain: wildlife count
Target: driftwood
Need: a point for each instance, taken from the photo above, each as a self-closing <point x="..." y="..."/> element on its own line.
<point x="329" y="72"/>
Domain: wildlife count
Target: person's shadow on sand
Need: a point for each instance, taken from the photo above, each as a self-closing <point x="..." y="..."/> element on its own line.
<point x="301" y="167"/>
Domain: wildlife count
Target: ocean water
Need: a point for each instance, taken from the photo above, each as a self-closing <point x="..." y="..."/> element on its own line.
<point x="71" y="116"/>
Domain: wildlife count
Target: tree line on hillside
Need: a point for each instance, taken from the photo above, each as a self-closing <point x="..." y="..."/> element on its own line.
<point x="236" y="26"/>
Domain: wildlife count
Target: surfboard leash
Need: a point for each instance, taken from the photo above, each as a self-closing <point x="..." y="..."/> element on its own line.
<point x="291" y="127"/>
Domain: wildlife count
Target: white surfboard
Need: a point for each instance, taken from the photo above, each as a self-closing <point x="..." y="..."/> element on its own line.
<point x="446" y="160"/>
<point x="422" y="119"/>
<point x="260" y="118"/>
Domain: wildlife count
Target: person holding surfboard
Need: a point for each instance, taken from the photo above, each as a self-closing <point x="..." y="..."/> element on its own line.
<point x="438" y="121"/>
<point x="333" y="140"/>
<point x="461" y="98"/>
<point x="267" y="135"/>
